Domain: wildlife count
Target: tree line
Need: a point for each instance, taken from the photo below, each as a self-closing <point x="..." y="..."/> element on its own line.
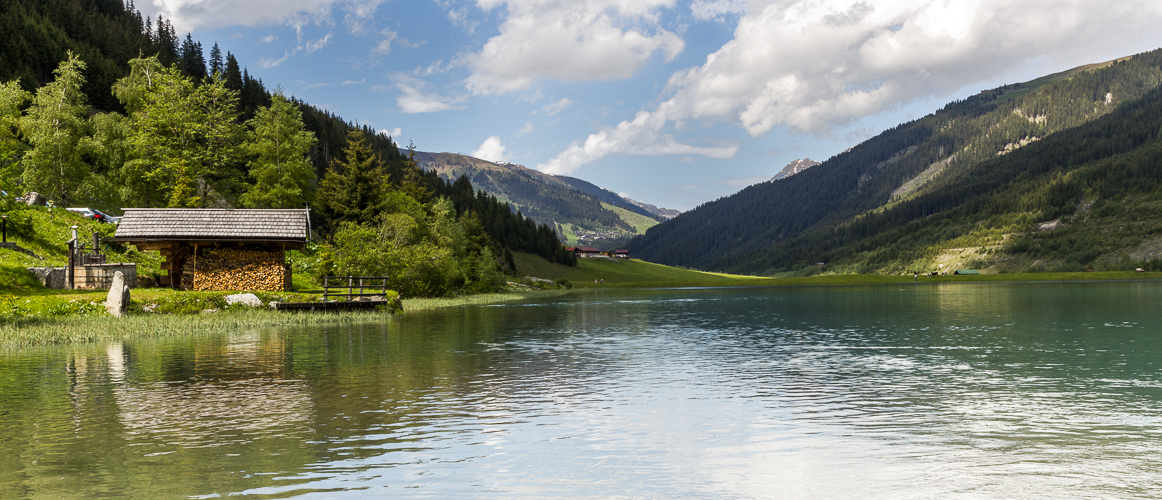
<point x="184" y="131"/>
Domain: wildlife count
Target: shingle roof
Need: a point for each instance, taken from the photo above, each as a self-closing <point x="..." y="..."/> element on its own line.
<point x="210" y="223"/>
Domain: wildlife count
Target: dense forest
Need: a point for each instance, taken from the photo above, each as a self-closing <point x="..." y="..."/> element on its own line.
<point x="1014" y="179"/>
<point x="101" y="107"/>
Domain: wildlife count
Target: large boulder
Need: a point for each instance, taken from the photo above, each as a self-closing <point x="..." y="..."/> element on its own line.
<point x="33" y="198"/>
<point x="118" y="300"/>
<point x="246" y="299"/>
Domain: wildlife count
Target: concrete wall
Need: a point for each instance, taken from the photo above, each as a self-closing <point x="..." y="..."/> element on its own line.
<point x="94" y="277"/>
<point x="99" y="276"/>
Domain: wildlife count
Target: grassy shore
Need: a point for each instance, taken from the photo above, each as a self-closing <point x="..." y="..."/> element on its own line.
<point x="425" y="304"/>
<point x="101" y="327"/>
<point x="632" y="273"/>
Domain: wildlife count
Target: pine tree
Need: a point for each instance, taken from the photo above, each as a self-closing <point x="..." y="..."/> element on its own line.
<point x="283" y="176"/>
<point x="353" y="190"/>
<point x="191" y="60"/>
<point x="233" y="76"/>
<point x="216" y="68"/>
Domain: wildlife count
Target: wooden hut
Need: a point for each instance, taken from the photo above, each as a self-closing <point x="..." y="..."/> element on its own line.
<point x="218" y="249"/>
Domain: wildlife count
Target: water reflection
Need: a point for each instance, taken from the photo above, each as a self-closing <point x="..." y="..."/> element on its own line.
<point x="997" y="391"/>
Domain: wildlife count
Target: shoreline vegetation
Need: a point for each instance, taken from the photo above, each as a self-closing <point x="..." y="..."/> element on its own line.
<point x="43" y="318"/>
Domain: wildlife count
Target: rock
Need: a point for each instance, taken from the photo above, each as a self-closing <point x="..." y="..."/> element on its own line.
<point x="34" y="199"/>
<point x="50" y="277"/>
<point x="246" y="299"/>
<point x="118" y="300"/>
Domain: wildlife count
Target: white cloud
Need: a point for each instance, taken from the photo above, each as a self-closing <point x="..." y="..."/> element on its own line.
<point x="359" y="14"/>
<point x="384" y="45"/>
<point x="435" y="67"/>
<point x="415" y="98"/>
<point x="525" y="130"/>
<point x="556" y="107"/>
<point x="393" y="133"/>
<point x="190" y="15"/>
<point x="573" y="40"/>
<point x="491" y="150"/>
<point x="318" y="44"/>
<point x="460" y="17"/>
<point x="268" y="39"/>
<point x="815" y="64"/>
<point x="271" y="62"/>
<point x="716" y="9"/>
<point x="644" y="135"/>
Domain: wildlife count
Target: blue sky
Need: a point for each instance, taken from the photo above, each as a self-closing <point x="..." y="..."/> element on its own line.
<point x="670" y="102"/>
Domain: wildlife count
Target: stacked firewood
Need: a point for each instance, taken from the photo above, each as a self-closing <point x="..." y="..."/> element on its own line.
<point x="236" y="269"/>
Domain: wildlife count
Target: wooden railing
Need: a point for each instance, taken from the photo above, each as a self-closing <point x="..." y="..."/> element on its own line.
<point x="373" y="286"/>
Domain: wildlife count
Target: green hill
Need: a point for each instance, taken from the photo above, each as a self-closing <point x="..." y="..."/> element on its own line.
<point x="1055" y="174"/>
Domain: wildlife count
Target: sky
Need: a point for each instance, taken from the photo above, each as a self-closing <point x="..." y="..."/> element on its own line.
<point x="669" y="102"/>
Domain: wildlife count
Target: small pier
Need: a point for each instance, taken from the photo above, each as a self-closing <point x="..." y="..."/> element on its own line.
<point x="372" y="292"/>
<point x="346" y="305"/>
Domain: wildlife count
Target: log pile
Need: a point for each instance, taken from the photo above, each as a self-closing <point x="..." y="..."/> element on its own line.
<point x="237" y="269"/>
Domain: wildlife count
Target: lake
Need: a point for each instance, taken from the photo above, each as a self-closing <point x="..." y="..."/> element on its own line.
<point x="1029" y="390"/>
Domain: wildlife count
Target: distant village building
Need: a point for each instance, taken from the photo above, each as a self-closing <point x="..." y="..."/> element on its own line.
<point x="218" y="249"/>
<point x="620" y="254"/>
<point x="584" y="252"/>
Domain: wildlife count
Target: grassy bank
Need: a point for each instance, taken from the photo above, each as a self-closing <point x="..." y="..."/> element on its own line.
<point x="59" y="317"/>
<point x="46" y="232"/>
<point x="97" y="328"/>
<point x="620" y="273"/>
<point x="617" y="273"/>
<point x="427" y="304"/>
<point x="79" y="316"/>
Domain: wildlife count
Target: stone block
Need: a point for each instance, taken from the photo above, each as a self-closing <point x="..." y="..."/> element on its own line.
<point x="118" y="299"/>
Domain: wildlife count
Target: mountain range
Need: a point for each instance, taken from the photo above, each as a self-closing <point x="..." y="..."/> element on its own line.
<point x="583" y="213"/>
<point x="1059" y="173"/>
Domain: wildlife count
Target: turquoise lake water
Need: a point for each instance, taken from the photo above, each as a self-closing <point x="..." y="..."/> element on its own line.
<point x="1030" y="390"/>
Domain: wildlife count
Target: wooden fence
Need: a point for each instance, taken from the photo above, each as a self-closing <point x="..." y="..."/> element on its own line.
<point x="368" y="286"/>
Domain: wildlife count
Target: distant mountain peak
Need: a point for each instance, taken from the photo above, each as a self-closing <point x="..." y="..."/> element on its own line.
<point x="795" y="167"/>
<point x="665" y="213"/>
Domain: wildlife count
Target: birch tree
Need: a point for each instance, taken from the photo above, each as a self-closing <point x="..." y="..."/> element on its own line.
<point x="12" y="97"/>
<point x="53" y="126"/>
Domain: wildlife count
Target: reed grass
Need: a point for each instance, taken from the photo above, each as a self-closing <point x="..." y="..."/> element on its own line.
<point x="100" y="327"/>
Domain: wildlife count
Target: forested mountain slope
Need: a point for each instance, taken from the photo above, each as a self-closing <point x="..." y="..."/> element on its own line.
<point x="573" y="206"/>
<point x="970" y="184"/>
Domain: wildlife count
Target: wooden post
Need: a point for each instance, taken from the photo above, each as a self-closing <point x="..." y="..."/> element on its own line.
<point x="70" y="280"/>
